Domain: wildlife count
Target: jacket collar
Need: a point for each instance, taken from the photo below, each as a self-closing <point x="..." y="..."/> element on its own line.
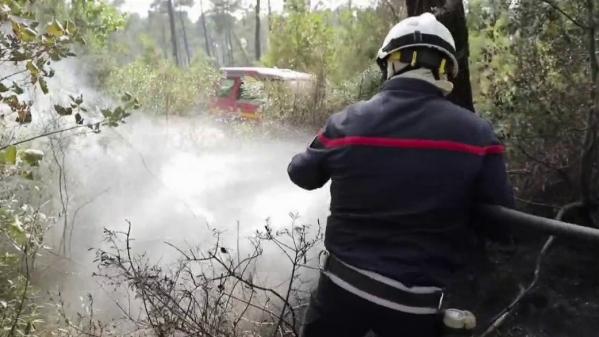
<point x="411" y="84"/>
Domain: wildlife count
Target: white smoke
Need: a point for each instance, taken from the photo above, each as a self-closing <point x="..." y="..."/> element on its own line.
<point x="172" y="180"/>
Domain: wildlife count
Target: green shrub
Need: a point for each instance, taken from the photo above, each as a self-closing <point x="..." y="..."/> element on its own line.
<point x="312" y="105"/>
<point x="163" y="88"/>
<point x="22" y="227"/>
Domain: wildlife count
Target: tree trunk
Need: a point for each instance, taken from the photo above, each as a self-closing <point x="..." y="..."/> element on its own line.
<point x="589" y="150"/>
<point x="451" y="13"/>
<point x="229" y="46"/>
<point x="205" y="29"/>
<point x="162" y="44"/>
<point x="185" y="41"/>
<point x="171" y="19"/>
<point x="221" y="49"/>
<point x="244" y="52"/>
<point x="257" y="47"/>
<point x="269" y="17"/>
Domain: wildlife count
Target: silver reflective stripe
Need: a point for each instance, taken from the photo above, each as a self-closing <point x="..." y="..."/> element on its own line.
<point x="392" y="282"/>
<point x="378" y="300"/>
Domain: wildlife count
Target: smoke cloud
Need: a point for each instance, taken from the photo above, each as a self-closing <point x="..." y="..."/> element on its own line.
<point x="172" y="178"/>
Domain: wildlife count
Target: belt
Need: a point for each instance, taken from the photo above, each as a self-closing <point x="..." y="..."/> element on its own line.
<point x="416" y="300"/>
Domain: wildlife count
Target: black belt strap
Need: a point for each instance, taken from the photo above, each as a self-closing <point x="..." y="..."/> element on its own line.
<point x="379" y="289"/>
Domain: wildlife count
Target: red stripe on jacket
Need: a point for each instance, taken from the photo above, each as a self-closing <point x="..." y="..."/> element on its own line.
<point x="417" y="144"/>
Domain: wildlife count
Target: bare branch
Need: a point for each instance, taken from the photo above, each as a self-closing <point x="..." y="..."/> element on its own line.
<point x="536" y="203"/>
<point x="209" y="302"/>
<point x="564" y="13"/>
<point x="500" y="318"/>
<point x="42" y="136"/>
<point x="83" y="205"/>
<point x="11" y="75"/>
<point x="560" y="170"/>
<point x="392" y="9"/>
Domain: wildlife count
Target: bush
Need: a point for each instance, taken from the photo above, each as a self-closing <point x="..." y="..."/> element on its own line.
<point x="312" y="106"/>
<point x="301" y="41"/>
<point x="218" y="291"/>
<point x="163" y="88"/>
<point x="22" y="227"/>
<point x="531" y="79"/>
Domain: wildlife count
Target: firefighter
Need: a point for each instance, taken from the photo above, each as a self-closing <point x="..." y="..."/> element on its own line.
<point x="406" y="168"/>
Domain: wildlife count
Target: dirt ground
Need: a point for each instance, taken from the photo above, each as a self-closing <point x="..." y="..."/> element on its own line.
<point x="565" y="302"/>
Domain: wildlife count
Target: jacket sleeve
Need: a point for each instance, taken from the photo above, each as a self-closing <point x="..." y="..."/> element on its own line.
<point x="492" y="185"/>
<point x="308" y="169"/>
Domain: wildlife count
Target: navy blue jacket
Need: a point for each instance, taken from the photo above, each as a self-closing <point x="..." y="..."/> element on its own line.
<point x="406" y="168"/>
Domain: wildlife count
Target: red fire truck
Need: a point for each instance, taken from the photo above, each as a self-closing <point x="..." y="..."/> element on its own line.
<point x="240" y="91"/>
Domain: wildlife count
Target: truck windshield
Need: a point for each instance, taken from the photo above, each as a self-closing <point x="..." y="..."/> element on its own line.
<point x="252" y="90"/>
<point x="225" y="88"/>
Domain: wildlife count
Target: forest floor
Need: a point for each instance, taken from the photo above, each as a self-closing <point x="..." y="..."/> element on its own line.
<point x="565" y="302"/>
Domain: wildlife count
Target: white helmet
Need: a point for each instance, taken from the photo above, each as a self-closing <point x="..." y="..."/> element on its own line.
<point x="423" y="31"/>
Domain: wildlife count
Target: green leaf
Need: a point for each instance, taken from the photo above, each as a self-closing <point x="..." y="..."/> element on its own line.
<point x="3" y="88"/>
<point x="17" y="89"/>
<point x="62" y="111"/>
<point x="126" y="97"/>
<point x="43" y="85"/>
<point x="16" y="232"/>
<point x="78" y="119"/>
<point x="31" y="156"/>
<point x="11" y="155"/>
<point x="59" y="109"/>
<point x="4" y="9"/>
<point x="16" y="29"/>
<point x="11" y="100"/>
<point x="54" y="56"/>
<point x="56" y="29"/>
<point x="18" y="56"/>
<point x="33" y="69"/>
<point x="28" y="34"/>
<point x="27" y="175"/>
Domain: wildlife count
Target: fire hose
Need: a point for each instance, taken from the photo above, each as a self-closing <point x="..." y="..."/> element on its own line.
<point x="549" y="226"/>
<point x="538" y="223"/>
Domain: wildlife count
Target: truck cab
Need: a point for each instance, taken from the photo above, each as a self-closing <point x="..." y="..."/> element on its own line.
<point x="241" y="94"/>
